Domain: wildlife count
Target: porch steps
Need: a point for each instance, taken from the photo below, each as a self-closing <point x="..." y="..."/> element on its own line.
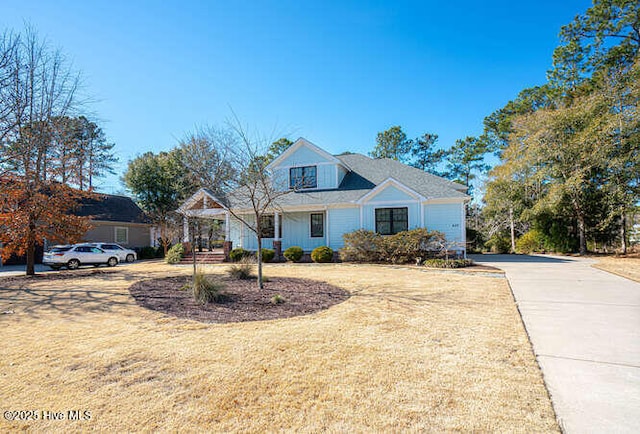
<point x="204" y="258"/>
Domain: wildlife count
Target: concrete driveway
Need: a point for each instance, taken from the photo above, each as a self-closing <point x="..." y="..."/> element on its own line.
<point x="584" y="325"/>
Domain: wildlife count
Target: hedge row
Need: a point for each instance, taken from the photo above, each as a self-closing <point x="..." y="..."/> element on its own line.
<point x="404" y="247"/>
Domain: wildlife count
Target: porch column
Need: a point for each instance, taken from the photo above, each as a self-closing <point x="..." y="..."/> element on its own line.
<point x="185" y="229"/>
<point x="227" y="227"/>
<point x="186" y="242"/>
<point x="228" y="244"/>
<point x="277" y="242"/>
<point x="326" y="226"/>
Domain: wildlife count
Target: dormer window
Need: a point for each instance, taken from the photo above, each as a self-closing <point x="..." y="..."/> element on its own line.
<point x="303" y="177"/>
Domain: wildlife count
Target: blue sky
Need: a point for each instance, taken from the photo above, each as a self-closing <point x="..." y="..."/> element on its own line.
<point x="335" y="73"/>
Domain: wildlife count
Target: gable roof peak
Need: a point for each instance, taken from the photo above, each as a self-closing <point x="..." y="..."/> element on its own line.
<point x="300" y="142"/>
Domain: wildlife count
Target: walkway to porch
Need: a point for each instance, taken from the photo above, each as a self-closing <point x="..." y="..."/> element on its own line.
<point x="215" y="256"/>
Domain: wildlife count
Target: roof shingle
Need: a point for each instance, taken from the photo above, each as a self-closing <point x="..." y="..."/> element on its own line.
<point x="366" y="174"/>
<point x="108" y="207"/>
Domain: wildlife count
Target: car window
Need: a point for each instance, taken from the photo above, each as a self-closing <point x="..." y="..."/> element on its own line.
<point x="97" y="250"/>
<point x="111" y="247"/>
<point x="82" y="249"/>
<point x="60" y="249"/>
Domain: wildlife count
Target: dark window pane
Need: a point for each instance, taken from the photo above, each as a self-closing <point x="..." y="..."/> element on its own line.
<point x="390" y="221"/>
<point x="295" y="175"/>
<point x="399" y="226"/>
<point x="383" y="228"/>
<point x="303" y="177"/>
<point x="267" y="226"/>
<point x="317" y="225"/>
<point x="383" y="214"/>
<point x="309" y="177"/>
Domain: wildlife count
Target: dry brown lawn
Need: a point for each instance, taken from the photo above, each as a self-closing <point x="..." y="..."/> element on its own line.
<point x="628" y="267"/>
<point x="409" y="351"/>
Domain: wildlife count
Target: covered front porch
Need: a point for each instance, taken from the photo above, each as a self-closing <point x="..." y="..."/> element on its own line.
<point x="283" y="229"/>
<point x="306" y="228"/>
<point x="203" y="205"/>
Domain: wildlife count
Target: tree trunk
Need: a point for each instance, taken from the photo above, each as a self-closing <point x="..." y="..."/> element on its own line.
<point x="260" y="283"/>
<point x="512" y="227"/>
<point x="582" y="235"/>
<point x="164" y="240"/>
<point x="31" y="249"/>
<point x="193" y="253"/>
<point x="623" y="231"/>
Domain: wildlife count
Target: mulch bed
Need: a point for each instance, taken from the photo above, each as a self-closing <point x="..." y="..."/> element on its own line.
<point x="243" y="301"/>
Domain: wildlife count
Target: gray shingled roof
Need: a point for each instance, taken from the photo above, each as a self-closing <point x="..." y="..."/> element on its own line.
<point x="112" y="208"/>
<point x="366" y="174"/>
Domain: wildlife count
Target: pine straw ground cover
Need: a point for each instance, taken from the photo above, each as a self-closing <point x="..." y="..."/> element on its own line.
<point x="410" y="350"/>
<point x="625" y="266"/>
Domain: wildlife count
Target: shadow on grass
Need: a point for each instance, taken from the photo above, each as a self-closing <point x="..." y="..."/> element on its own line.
<point x="407" y="301"/>
<point x="70" y="294"/>
<point x="68" y="301"/>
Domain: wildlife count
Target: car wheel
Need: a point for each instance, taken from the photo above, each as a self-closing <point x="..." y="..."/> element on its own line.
<point x="130" y="258"/>
<point x="112" y="262"/>
<point x="73" y="264"/>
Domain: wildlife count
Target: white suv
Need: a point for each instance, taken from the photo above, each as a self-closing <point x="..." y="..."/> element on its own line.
<point x="123" y="254"/>
<point x="80" y="254"/>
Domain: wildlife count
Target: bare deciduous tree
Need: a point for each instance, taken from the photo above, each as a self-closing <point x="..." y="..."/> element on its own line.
<point x="37" y="85"/>
<point x="208" y="155"/>
<point x="256" y="192"/>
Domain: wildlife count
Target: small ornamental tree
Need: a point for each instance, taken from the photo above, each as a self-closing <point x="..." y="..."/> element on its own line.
<point x="29" y="214"/>
<point x="253" y="188"/>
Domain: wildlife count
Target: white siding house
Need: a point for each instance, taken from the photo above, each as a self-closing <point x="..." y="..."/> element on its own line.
<point x="335" y="194"/>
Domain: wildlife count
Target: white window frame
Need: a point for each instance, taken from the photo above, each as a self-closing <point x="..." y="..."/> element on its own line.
<point x="115" y="235"/>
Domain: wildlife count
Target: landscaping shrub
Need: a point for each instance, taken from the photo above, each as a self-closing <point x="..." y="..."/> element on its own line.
<point x="268" y="255"/>
<point x="499" y="244"/>
<point x="206" y="291"/>
<point x="175" y="253"/>
<point x="361" y="246"/>
<point x="322" y="254"/>
<point x="475" y="241"/>
<point x="277" y="299"/>
<point x="294" y="253"/>
<point x="160" y="252"/>
<point x="243" y="269"/>
<point x="532" y="241"/>
<point x="147" y="252"/>
<point x="238" y="253"/>
<point x="404" y="247"/>
<point x="411" y="246"/>
<point x="448" y="263"/>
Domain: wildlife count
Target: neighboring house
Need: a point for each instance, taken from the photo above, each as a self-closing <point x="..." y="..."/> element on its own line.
<point x="336" y="194"/>
<point x="115" y="219"/>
